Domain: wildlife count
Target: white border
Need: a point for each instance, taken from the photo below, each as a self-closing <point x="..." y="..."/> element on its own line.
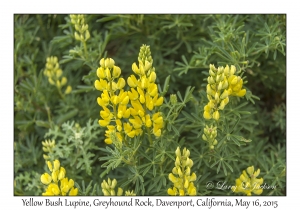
<point x="111" y="6"/>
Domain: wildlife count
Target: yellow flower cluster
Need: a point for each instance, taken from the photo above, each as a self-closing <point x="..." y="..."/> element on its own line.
<point x="108" y="188"/>
<point x="247" y="183"/>
<point x="181" y="175"/>
<point x="82" y="33"/>
<point x="210" y="134"/>
<point x="221" y="84"/>
<point x="57" y="183"/>
<point x="48" y="146"/>
<point x="54" y="73"/>
<point x="113" y="99"/>
<point x="129" y="118"/>
<point x="144" y="95"/>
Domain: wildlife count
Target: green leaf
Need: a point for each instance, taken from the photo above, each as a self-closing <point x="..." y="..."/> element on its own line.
<point x="67" y="116"/>
<point x="166" y="85"/>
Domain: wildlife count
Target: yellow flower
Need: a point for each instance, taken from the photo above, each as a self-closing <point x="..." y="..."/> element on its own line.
<point x="46" y="178"/>
<point x="129" y="112"/>
<point x="52" y="189"/>
<point x="82" y="33"/>
<point x="68" y="89"/>
<point x="247" y="183"/>
<point x="108" y="188"/>
<point x="222" y="83"/>
<point x="181" y="176"/>
<point x="57" y="179"/>
<point x="53" y="72"/>
<point x="210" y="134"/>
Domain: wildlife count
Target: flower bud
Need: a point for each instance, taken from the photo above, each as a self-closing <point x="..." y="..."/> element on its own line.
<point x="63" y="81"/>
<point x="112" y="192"/>
<point x="193" y="177"/>
<point x="87" y="35"/>
<point x="56" y="165"/>
<point x="51" y="81"/>
<point x="135" y="69"/>
<point x="211" y="80"/>
<point x="46" y="157"/>
<point x="109" y="63"/>
<point x="107" y="74"/>
<point x="179" y="172"/>
<point x="209" y="90"/>
<point x="220" y="86"/>
<point x="220" y="70"/>
<point x="225" y="84"/>
<point x="173" y="99"/>
<point x="102" y="63"/>
<point x="241" y="93"/>
<point x="58" y="85"/>
<point x="222" y="105"/>
<point x="224" y="94"/>
<point x="217" y="96"/>
<point x="152" y="77"/>
<point x="226" y="71"/>
<point x="105" y="192"/>
<point x="232" y="69"/>
<point x="120" y="191"/>
<point x="257" y="172"/>
<point x="174" y="170"/>
<point x="211" y="73"/>
<point x="216" y="115"/>
<point x="121" y="83"/>
<point x="177" y="152"/>
<point x="68" y="89"/>
<point x="206" y="115"/>
<point x="187" y="171"/>
<point x="132" y="81"/>
<point x="77" y="37"/>
<point x="186" y="183"/>
<point x="218" y="78"/>
<point x="58" y="73"/>
<point x="177" y="162"/>
<point x="172" y="178"/>
<point x="147" y="65"/>
<point x="46" y="179"/>
<point x="234" y="80"/>
<point x="114" y="183"/>
<point x="116" y="71"/>
<point x="186" y="153"/>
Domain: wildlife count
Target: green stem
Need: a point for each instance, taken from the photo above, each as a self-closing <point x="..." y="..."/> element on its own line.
<point x="60" y="93"/>
<point x="48" y="114"/>
<point x="85" y="50"/>
<point x="149" y="137"/>
<point x="148" y="129"/>
<point x="42" y="26"/>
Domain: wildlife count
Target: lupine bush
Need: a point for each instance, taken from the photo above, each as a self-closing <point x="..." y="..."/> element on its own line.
<point x="149" y="104"/>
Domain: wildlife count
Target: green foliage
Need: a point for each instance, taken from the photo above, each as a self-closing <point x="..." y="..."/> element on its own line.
<point x="251" y="129"/>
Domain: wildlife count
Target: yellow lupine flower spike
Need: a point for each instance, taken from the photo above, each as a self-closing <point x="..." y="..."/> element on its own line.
<point x="54" y="73"/>
<point x="108" y="188"/>
<point x="210" y="134"/>
<point x="247" y="183"/>
<point x="144" y="95"/>
<point x="129" y="113"/>
<point x="222" y="83"/>
<point x="181" y="176"/>
<point x="57" y="183"/>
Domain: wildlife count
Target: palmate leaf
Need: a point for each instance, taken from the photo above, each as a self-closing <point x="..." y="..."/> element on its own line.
<point x="113" y="160"/>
